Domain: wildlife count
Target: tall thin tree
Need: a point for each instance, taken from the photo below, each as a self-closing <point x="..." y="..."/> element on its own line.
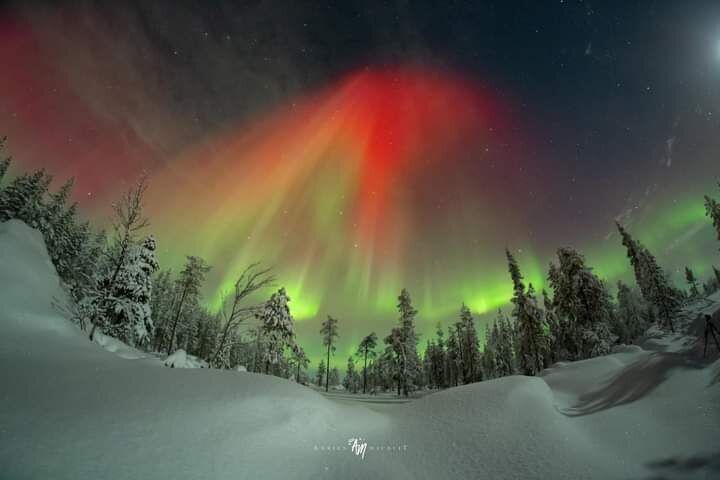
<point x="367" y="349"/>
<point x="329" y="331"/>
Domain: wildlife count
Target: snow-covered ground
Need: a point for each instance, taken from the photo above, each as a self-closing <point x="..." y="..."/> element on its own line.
<point x="71" y="409"/>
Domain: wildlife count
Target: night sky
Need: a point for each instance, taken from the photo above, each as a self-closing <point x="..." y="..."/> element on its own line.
<point x="361" y="147"/>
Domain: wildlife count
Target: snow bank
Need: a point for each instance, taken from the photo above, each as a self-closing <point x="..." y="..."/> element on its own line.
<point x="180" y="359"/>
<point x="71" y="410"/>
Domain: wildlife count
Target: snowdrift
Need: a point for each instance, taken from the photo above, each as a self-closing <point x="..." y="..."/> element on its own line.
<point x="71" y="409"/>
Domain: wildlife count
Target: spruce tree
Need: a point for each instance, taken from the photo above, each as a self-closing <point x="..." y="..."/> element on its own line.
<point x="630" y="314"/>
<point x="712" y="210"/>
<point x="528" y="320"/>
<point x="453" y="358"/>
<point x="24" y="199"/>
<point x="439" y="360"/>
<point x="188" y="285"/>
<point x="350" y="382"/>
<point x="329" y="331"/>
<point x="321" y="373"/>
<point x="651" y="280"/>
<point x="403" y="344"/>
<point x="488" y="359"/>
<point x="505" y="362"/>
<point x="131" y="319"/>
<point x="334" y="377"/>
<point x="692" y="281"/>
<point x="583" y="303"/>
<point x="469" y="346"/>
<point x="278" y="327"/>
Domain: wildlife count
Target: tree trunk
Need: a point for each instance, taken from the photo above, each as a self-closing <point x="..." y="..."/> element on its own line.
<point x="297" y="377"/>
<point x="222" y="341"/>
<point x="365" y="372"/>
<point x="327" y="369"/>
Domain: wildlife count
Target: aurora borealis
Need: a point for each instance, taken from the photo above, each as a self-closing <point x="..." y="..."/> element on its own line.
<point x="364" y="148"/>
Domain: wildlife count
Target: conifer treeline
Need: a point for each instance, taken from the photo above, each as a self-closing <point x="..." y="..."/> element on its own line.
<point x="116" y="287"/>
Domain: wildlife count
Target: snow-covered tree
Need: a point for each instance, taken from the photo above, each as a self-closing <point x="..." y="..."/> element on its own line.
<point x="299" y="360"/>
<point x="498" y="357"/>
<point x="188" y="290"/>
<point x="692" y="282"/>
<point x="469" y="346"/>
<point x="651" y="280"/>
<point x="630" y="314"/>
<point x="278" y="327"/>
<point x="24" y="199"/>
<point x="487" y="361"/>
<point x="366" y="350"/>
<point x="453" y="358"/>
<point x="712" y="210"/>
<point x="334" y="377"/>
<point x="402" y="342"/>
<point x="531" y="339"/>
<point x="131" y="319"/>
<point x="351" y="380"/>
<point x="582" y="303"/>
<point x="321" y="373"/>
<point x="329" y="331"/>
<point x="438" y="359"/>
<point x="128" y="221"/>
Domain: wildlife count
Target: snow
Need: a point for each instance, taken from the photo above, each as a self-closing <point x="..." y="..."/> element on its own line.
<point x="74" y="409"/>
<point x="180" y="359"/>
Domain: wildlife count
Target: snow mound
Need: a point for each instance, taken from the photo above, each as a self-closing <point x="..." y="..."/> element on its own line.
<point x="180" y="359"/>
<point x="119" y="348"/>
<point x="29" y="279"/>
<point x="71" y="410"/>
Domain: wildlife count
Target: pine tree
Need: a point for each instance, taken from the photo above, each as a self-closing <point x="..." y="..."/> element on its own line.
<point x="367" y="349"/>
<point x="131" y="320"/>
<point x="188" y="285"/>
<point x="630" y="314"/>
<point x="300" y="361"/>
<point x="403" y="344"/>
<point x="497" y="356"/>
<point x="278" y="327"/>
<point x="334" y="377"/>
<point x="453" y="358"/>
<point x="128" y="221"/>
<point x="488" y="360"/>
<point x="24" y="199"/>
<point x="692" y="281"/>
<point x="321" y="373"/>
<point x="583" y="302"/>
<point x="350" y="382"/>
<point x="650" y="278"/>
<point x="329" y="331"/>
<point x="469" y="346"/>
<point x="439" y="360"/>
<point x="528" y="320"/>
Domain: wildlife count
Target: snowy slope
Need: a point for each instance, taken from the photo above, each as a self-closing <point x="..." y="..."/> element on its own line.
<point x="70" y="409"/>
